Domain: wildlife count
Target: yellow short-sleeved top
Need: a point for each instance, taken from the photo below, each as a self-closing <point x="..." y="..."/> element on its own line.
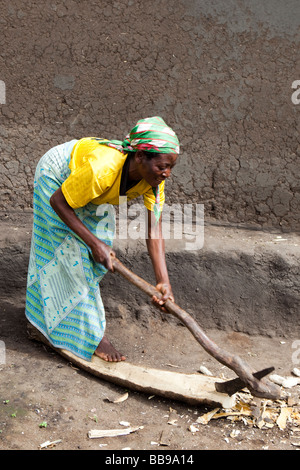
<point x="96" y="172"/>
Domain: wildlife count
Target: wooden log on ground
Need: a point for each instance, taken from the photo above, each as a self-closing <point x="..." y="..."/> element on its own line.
<point x="190" y="388"/>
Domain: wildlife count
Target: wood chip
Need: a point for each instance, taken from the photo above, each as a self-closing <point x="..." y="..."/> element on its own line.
<point x="204" y="419"/>
<point x="296" y="372"/>
<point x="49" y="444"/>
<point x="283" y="417"/>
<point x="205" y="371"/>
<point x="97" y="433"/>
<point x="124" y="423"/>
<point x="286" y="382"/>
<point x="193" y="428"/>
<point x="165" y="438"/>
<point x="173" y="418"/>
<point x="118" y="400"/>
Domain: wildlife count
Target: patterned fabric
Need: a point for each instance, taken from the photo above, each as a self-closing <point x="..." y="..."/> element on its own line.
<point x="151" y="135"/>
<point x="63" y="296"/>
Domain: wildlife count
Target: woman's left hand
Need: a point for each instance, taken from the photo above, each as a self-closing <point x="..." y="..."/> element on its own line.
<point x="167" y="294"/>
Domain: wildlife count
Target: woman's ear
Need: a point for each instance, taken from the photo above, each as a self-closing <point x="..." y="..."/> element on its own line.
<point x="139" y="156"/>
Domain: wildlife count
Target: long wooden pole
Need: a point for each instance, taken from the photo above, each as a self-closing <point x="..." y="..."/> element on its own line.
<point x="259" y="387"/>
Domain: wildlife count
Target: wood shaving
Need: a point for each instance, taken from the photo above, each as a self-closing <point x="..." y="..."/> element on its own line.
<point x="97" y="433"/>
<point x="49" y="444"/>
<point x="260" y="413"/>
<point x="118" y="400"/>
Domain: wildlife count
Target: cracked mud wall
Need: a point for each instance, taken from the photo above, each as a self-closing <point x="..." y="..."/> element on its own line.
<point x="220" y="73"/>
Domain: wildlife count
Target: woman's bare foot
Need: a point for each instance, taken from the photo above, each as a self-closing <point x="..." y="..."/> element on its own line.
<point x="107" y="352"/>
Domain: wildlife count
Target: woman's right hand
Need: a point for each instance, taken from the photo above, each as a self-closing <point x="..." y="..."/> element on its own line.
<point x="103" y="254"/>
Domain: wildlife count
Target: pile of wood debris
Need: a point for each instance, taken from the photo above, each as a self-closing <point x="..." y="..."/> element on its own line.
<point x="256" y="412"/>
<point x="262" y="413"/>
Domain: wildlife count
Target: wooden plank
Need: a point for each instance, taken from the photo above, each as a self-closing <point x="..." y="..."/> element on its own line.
<point x="190" y="388"/>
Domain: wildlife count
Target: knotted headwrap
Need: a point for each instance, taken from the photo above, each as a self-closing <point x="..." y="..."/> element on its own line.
<point x="151" y="135"/>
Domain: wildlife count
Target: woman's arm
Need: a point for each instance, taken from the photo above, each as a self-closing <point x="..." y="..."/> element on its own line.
<point x="102" y="253"/>
<point x="156" y="249"/>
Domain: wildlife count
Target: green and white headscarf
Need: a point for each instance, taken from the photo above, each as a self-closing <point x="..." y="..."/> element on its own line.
<point x="151" y="135"/>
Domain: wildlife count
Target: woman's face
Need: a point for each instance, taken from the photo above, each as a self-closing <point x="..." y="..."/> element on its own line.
<point x="156" y="169"/>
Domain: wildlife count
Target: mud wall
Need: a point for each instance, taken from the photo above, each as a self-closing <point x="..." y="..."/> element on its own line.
<point x="221" y="73"/>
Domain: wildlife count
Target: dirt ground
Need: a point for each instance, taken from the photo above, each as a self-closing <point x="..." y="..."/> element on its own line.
<point x="247" y="135"/>
<point x="45" y="398"/>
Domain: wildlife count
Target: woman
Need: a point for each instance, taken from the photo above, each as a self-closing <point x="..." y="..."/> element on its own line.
<point x="71" y="247"/>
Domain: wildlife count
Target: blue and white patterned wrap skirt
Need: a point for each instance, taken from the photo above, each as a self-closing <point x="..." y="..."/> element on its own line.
<point x="63" y="298"/>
